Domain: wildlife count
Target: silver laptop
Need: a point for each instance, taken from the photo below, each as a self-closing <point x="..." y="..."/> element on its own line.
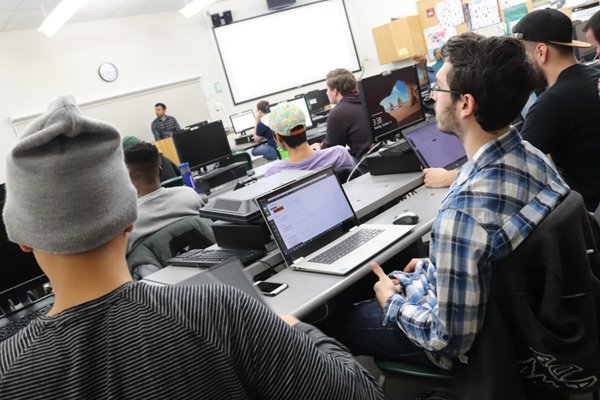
<point x="316" y="229"/>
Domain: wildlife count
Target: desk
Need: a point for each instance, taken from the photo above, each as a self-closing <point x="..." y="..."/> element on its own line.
<point x="368" y="193"/>
<point x="238" y="148"/>
<point x="308" y="290"/>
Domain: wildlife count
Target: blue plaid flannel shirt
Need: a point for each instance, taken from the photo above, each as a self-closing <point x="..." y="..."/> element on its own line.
<point x="498" y="198"/>
<point x="164" y="129"/>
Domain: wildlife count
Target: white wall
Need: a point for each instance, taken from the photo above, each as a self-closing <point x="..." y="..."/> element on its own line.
<point x="150" y="50"/>
<point x="147" y="50"/>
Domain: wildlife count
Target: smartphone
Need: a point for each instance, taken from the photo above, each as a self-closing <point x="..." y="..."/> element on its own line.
<point x="270" y="288"/>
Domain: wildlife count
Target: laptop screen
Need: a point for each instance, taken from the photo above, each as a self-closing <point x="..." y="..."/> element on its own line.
<point x="435" y="149"/>
<point x="305" y="215"/>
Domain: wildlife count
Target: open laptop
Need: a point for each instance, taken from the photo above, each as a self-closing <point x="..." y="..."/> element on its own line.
<point x="434" y="148"/>
<point x="316" y="228"/>
<point x="229" y="273"/>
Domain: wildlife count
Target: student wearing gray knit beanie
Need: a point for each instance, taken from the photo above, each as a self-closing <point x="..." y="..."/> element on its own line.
<point x="69" y="200"/>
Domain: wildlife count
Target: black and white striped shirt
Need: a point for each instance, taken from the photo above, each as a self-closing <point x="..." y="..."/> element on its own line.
<point x="207" y="342"/>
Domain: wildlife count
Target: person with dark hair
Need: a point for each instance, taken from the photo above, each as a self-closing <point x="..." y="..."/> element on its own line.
<point x="262" y="132"/>
<point x="564" y="122"/>
<point x="168" y="168"/>
<point x="289" y="123"/>
<point x="157" y="207"/>
<point x="433" y="310"/>
<point x="592" y="31"/>
<point x="107" y="337"/>
<point x="347" y="124"/>
<point x="164" y="126"/>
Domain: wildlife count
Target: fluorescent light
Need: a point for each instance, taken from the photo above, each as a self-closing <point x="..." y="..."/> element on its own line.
<point x="60" y="15"/>
<point x="194" y="7"/>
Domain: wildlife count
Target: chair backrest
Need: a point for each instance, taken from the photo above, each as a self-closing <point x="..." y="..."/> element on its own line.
<point x="541" y="328"/>
<point x="168" y="169"/>
<point x="238" y="157"/>
<point x="173" y="182"/>
<point x="343" y="173"/>
<point x="185" y="234"/>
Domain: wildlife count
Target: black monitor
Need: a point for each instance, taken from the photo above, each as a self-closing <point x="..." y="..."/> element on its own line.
<point x="17" y="267"/>
<point x="422" y="75"/>
<point x="392" y="101"/>
<point x="584" y="54"/>
<point x="203" y="145"/>
<point x="299" y="102"/>
<point x="243" y="121"/>
<point x="317" y="101"/>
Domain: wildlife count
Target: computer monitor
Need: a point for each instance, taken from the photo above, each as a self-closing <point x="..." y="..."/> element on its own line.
<point x="299" y="102"/>
<point x="203" y="145"/>
<point x="243" y="121"/>
<point x="392" y="101"/>
<point x="422" y="75"/>
<point x="17" y="267"/>
<point x="317" y="101"/>
<point x="585" y="54"/>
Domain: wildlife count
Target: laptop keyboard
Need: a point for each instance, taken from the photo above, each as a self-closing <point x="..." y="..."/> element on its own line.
<point x="346" y="246"/>
<point x="398" y="148"/>
<point x="15" y="326"/>
<point x="208" y="258"/>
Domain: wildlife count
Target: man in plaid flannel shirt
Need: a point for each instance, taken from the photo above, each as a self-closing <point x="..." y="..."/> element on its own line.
<point x="500" y="195"/>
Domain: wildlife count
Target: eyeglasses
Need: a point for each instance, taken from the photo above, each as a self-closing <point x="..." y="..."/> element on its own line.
<point x="434" y="87"/>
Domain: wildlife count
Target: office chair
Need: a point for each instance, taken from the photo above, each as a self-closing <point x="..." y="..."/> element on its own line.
<point x="151" y="254"/>
<point x="238" y="157"/>
<point x="343" y="173"/>
<point x="173" y="182"/>
<point x="565" y="304"/>
<point x="543" y="315"/>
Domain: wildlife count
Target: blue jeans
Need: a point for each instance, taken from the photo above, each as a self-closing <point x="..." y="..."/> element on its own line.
<point x="266" y="151"/>
<point x="360" y="327"/>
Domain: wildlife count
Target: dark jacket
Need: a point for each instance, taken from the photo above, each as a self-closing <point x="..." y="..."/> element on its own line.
<point x="348" y="124"/>
<point x="541" y="328"/>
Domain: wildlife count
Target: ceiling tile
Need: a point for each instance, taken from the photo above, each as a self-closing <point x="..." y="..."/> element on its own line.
<point x="14" y="26"/>
<point x="137" y="4"/>
<point x="48" y="5"/>
<point x="4" y="16"/>
<point x="29" y="15"/>
<point x="9" y="5"/>
<point x="93" y="17"/>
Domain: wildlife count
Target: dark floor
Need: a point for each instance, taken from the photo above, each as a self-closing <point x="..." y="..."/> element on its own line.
<point x="407" y="388"/>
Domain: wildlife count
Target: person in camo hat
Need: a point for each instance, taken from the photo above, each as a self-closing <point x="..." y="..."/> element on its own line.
<point x="289" y="124"/>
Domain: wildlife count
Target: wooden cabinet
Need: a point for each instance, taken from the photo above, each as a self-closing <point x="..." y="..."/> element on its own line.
<point x="399" y="40"/>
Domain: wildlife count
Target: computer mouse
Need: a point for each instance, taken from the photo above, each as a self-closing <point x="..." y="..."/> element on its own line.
<point x="406" y="218"/>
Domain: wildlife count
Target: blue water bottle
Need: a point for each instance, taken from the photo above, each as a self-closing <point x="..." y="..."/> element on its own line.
<point x="186" y="174"/>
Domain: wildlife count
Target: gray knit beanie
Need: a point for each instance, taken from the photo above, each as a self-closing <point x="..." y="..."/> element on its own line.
<point x="67" y="187"/>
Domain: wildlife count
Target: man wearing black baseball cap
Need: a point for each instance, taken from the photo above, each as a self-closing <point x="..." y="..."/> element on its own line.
<point x="564" y="122"/>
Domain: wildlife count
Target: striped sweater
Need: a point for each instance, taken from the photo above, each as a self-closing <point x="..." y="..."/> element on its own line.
<point x="207" y="342"/>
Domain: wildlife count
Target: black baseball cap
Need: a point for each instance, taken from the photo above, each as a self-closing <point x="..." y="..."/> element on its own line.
<point x="547" y="26"/>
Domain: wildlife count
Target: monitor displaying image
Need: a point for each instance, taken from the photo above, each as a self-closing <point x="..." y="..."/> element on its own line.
<point x="392" y="101"/>
<point x="243" y="121"/>
<point x="422" y="75"/>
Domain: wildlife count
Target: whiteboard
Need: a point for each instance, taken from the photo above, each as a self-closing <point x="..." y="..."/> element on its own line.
<point x="287" y="49"/>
